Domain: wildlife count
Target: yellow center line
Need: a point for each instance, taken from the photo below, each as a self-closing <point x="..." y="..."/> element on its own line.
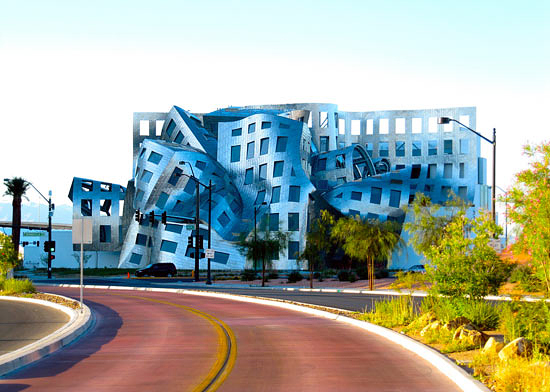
<point x="226" y="354"/>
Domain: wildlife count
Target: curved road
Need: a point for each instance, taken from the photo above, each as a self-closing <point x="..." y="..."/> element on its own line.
<point x="167" y="342"/>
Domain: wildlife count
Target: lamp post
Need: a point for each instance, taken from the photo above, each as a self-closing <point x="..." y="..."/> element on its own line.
<point x="505" y="216"/>
<point x="447" y="120"/>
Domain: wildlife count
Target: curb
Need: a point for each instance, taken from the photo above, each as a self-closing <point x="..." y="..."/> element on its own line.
<point x="452" y="371"/>
<point x="78" y="323"/>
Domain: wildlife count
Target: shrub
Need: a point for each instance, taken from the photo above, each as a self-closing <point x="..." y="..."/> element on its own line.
<point x="16" y="286"/>
<point x="273" y="275"/>
<point x="392" y="312"/>
<point x="352" y="277"/>
<point x="248" y="275"/>
<point x="482" y="314"/>
<point x="362" y="271"/>
<point x="381" y="273"/>
<point x="317" y="275"/>
<point x="525" y="276"/>
<point x="328" y="273"/>
<point x="444" y="308"/>
<point x="530" y="320"/>
<point x="294" y="276"/>
<point x="343" y="275"/>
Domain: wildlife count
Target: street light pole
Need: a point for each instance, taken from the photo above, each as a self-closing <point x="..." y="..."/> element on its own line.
<point x="209" y="277"/>
<point x="447" y="120"/>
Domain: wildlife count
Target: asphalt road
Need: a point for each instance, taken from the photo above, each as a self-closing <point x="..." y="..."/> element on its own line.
<point x="23" y="323"/>
<point x="171" y="342"/>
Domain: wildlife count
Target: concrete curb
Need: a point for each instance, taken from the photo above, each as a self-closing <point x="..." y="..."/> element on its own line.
<point x="79" y="323"/>
<point x="456" y="374"/>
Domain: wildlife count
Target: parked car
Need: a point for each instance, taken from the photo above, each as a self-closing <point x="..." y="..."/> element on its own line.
<point x="417" y="268"/>
<point x="158" y="269"/>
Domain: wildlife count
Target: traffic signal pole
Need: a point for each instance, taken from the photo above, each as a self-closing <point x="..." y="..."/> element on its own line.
<point x="50" y="235"/>
<point x="197" y="235"/>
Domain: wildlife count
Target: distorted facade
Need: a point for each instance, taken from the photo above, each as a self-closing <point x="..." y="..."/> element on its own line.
<point x="282" y="161"/>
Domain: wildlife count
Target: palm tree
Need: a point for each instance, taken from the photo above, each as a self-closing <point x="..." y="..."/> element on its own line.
<point x="318" y="242"/>
<point x="17" y="187"/>
<point x="368" y="240"/>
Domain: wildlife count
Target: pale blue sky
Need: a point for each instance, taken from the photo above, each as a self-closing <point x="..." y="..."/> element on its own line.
<point x="73" y="72"/>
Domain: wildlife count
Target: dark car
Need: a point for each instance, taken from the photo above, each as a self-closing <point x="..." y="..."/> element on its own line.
<point x="158" y="269"/>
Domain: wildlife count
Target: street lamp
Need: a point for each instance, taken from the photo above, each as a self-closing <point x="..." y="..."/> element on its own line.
<point x="505" y="216"/>
<point x="209" y="187"/>
<point x="447" y="120"/>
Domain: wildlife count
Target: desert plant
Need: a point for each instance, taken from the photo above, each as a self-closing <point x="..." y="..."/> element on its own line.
<point x="16" y="286"/>
<point x="391" y="312"/>
<point x="527" y="279"/>
<point x="530" y="320"/>
<point x="294" y="276"/>
<point x="248" y="275"/>
<point x="482" y="314"/>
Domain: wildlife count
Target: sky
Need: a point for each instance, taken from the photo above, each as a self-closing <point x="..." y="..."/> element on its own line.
<point x="73" y="72"/>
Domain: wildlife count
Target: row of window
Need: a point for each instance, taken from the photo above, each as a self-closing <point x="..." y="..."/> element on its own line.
<point x="264" y="148"/>
<point x="88" y="186"/>
<point x="416" y="148"/>
<point x="400" y="125"/>
<point x="252" y="128"/>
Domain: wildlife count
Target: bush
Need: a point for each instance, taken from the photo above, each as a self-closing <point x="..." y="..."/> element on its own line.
<point x="273" y="275"/>
<point x="381" y="273"/>
<point x="445" y="309"/>
<point x="248" y="275"/>
<point x="343" y="275"/>
<point x="16" y="286"/>
<point x="294" y="276"/>
<point x="328" y="273"/>
<point x="525" y="276"/>
<point x="530" y="320"/>
<point x="482" y="314"/>
<point x="352" y="277"/>
<point x="317" y="275"/>
<point x="392" y="312"/>
<point x="362" y="271"/>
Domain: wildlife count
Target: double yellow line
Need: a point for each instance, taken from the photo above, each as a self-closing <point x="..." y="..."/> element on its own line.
<point x="227" y="347"/>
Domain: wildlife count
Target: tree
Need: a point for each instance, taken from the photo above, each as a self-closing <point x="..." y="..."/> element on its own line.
<point x="16" y="188"/>
<point x="8" y="256"/>
<point x="366" y="240"/>
<point x="318" y="242"/>
<point x="530" y="200"/>
<point x="263" y="248"/>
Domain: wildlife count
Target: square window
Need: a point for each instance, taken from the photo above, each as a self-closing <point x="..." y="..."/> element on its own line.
<point x="252" y="128"/>
<point x="294" y="193"/>
<point x="274" y="222"/>
<point x="395" y="198"/>
<point x="154" y="157"/>
<point x="370" y="126"/>
<point x="448" y="170"/>
<point x="250" y="150"/>
<point x="428" y="188"/>
<point x="340" y="161"/>
<point x="141" y="239"/>
<point x="249" y="176"/>
<point x="356" y="195"/>
<point x="200" y="165"/>
<point x="281" y="144"/>
<point x="399" y="149"/>
<point x="293" y="250"/>
<point x="324" y="143"/>
<point x="416" y="148"/>
<point x="416" y="125"/>
<point x="105" y="233"/>
<point x="322" y="164"/>
<point x="355" y="127"/>
<point x="383" y="150"/>
<point x="161" y="202"/>
<point x="375" y="195"/>
<point x="260" y="197"/>
<point x="179" y="138"/>
<point x="432" y="170"/>
<point x="237" y="132"/>
<point x="464" y="146"/>
<point x="264" y="146"/>
<point x="105" y="187"/>
<point x="266" y="124"/>
<point x="235" y="206"/>
<point x="447" y="146"/>
<point x="146" y="176"/>
<point x="235" y="153"/>
<point x="190" y="186"/>
<point x="223" y="219"/>
<point x="278" y="168"/>
<point x="399" y="125"/>
<point x="415" y="171"/>
<point x="275" y="194"/>
<point x="461" y="168"/>
<point x="263" y="171"/>
<point x="432" y="147"/>
<point x="168" y="246"/>
<point x="175" y="176"/>
<point x="293" y="221"/>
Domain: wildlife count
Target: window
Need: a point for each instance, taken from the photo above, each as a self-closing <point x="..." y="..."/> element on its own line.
<point x="294" y="193"/>
<point x="464" y="146"/>
<point x="322" y="164"/>
<point x="369" y="148"/>
<point x="146" y="176"/>
<point x="384" y="126"/>
<point x="411" y="198"/>
<point x="274" y="222"/>
<point x="447" y="146"/>
<point x="323" y="119"/>
<point x="223" y="219"/>
<point x="139" y="195"/>
<point x="370" y="126"/>
<point x="415" y="171"/>
<point x="105" y="207"/>
<point x="275" y="194"/>
<point x="278" y="168"/>
<point x="263" y="172"/>
<point x="338" y="196"/>
<point x="86" y="207"/>
<point x="399" y="149"/>
<point x="104" y="233"/>
<point x="354" y="212"/>
<point x="445" y="191"/>
<point x="266" y="124"/>
<point x="416" y="125"/>
<point x="428" y="188"/>
<point x="179" y="138"/>
<point x="249" y="176"/>
<point x="341" y="180"/>
<point x="432" y="147"/>
<point x="464" y="119"/>
<point x="170" y="128"/>
<point x="399" y="125"/>
<point x="88" y="186"/>
<point x="356" y="195"/>
<point x="135" y="258"/>
<point x="432" y="124"/>
<point x="234" y="206"/>
<point x="383" y="149"/>
<point x="375" y="195"/>
<point x="235" y="153"/>
<point x="264" y="146"/>
<point x="237" y="132"/>
<point x="221" y="257"/>
<point x="200" y="165"/>
<point x="340" y="161"/>
<point x="283" y="125"/>
<point x="141" y="239"/>
<point x="175" y="176"/>
<point x="461" y="167"/>
<point x="105" y="187"/>
<point x="432" y="170"/>
<point x="250" y="150"/>
<point x="260" y="197"/>
<point x="341" y="126"/>
<point x="463" y="192"/>
<point x="324" y="143"/>
<point x="448" y="170"/>
<point x="144" y="127"/>
<point x="293" y="250"/>
<point x="154" y="157"/>
<point x="416" y="148"/>
<point x="168" y="246"/>
<point x="190" y="186"/>
<point x="395" y="198"/>
<point x="161" y="202"/>
<point x="281" y="144"/>
<point x="355" y="127"/>
<point x="252" y="128"/>
<point x="371" y="215"/>
<point x="293" y="221"/>
<point x="174" y="228"/>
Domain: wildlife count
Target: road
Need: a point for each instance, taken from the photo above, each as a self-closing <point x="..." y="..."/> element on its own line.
<point x="23" y="323"/>
<point x="172" y="342"/>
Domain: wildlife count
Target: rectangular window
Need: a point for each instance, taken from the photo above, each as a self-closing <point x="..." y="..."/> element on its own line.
<point x="266" y="124"/>
<point x="252" y="128"/>
<point x="464" y="146"/>
<point x="293" y="221"/>
<point x="432" y="147"/>
<point x="399" y="149"/>
<point x="263" y="172"/>
<point x="293" y="250"/>
<point x="415" y="171"/>
<point x="190" y="186"/>
<point x="235" y="153"/>
<point x="274" y="222"/>
<point x="260" y="197"/>
<point x="447" y="146"/>
<point x="448" y="170"/>
<point x="139" y="195"/>
<point x="237" y="132"/>
<point x="370" y="126"/>
<point x="249" y="176"/>
<point x="175" y="176"/>
<point x="146" y="176"/>
<point x="144" y="127"/>
<point x="159" y="124"/>
<point x="86" y="207"/>
<point x="369" y="149"/>
<point x="432" y="124"/>
<point x="416" y="148"/>
<point x="340" y="161"/>
<point x="324" y="143"/>
<point x="341" y="126"/>
<point x="356" y="195"/>
<point x="174" y="228"/>
<point x="323" y="119"/>
<point x="275" y="194"/>
<point x="354" y="212"/>
<point x="141" y="239"/>
<point x="105" y="207"/>
<point x="154" y="157"/>
<point x="416" y="125"/>
<point x="161" y="202"/>
<point x="283" y="125"/>
<point x="105" y="187"/>
<point x="179" y="138"/>
<point x="322" y="164"/>
<point x="461" y="168"/>
<point x="399" y="125"/>
<point x="322" y="184"/>
<point x="104" y="233"/>
<point x="375" y="195"/>
<point x="250" y="150"/>
<point x="264" y="146"/>
<point x="463" y="192"/>
<point x="383" y="126"/>
<point x="281" y="144"/>
<point x="170" y="128"/>
<point x="383" y="149"/>
<point x="294" y="193"/>
<point x="395" y="198"/>
<point x="168" y="246"/>
<point x="445" y="191"/>
<point x="464" y="119"/>
<point x="278" y="168"/>
<point x="135" y="258"/>
<point x="432" y="170"/>
<point x="355" y="127"/>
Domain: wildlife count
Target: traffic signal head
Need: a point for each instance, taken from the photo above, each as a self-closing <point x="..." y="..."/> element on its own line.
<point x="152" y="217"/>
<point x="164" y="217"/>
<point x="190" y="241"/>
<point x="46" y="246"/>
<point x="52" y="257"/>
<point x="137" y="216"/>
<point x="201" y="241"/>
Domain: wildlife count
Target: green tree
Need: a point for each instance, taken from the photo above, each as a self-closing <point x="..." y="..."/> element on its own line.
<point x="8" y="256"/>
<point x="16" y="188"/>
<point x="367" y="240"/>
<point x="318" y="242"/>
<point x="530" y="209"/>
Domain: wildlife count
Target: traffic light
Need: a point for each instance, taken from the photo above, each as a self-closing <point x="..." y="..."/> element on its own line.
<point x="137" y="216"/>
<point x="201" y="241"/>
<point x="38" y="244"/>
<point x="52" y="246"/>
<point x="52" y="257"/>
<point x="152" y="217"/>
<point x="164" y="218"/>
<point x="190" y="241"/>
<point x="46" y="246"/>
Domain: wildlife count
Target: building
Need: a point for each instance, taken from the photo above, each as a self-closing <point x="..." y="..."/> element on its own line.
<point x="281" y="161"/>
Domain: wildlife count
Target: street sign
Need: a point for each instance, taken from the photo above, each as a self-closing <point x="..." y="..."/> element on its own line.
<point x="189" y="227"/>
<point x="496" y="244"/>
<point x="82" y="231"/>
<point x="209" y="253"/>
